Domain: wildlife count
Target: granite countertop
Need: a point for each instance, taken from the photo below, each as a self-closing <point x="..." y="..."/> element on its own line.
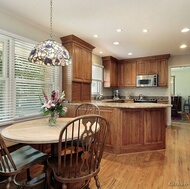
<point x="128" y="105"/>
<point x="133" y="105"/>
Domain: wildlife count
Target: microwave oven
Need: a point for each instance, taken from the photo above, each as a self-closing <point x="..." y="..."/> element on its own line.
<point x="147" y="80"/>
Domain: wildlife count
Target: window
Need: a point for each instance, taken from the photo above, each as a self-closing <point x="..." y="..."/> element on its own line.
<point x="21" y="82"/>
<point x="97" y="79"/>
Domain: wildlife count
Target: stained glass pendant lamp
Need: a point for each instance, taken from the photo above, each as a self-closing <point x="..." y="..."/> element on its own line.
<point x="49" y="52"/>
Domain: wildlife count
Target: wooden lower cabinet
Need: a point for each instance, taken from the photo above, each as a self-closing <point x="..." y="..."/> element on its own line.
<point x="132" y="129"/>
<point x="142" y="130"/>
<point x="110" y="115"/>
<point x="135" y="130"/>
<point x="81" y="92"/>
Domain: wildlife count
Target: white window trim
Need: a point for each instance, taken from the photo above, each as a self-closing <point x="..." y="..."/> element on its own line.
<point x="9" y="36"/>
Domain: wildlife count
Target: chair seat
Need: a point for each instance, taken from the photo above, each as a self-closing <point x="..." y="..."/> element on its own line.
<point x="68" y="174"/>
<point x="20" y="160"/>
<point x="27" y="156"/>
<point x="24" y="158"/>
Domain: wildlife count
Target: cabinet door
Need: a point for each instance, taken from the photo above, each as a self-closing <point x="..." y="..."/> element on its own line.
<point x="86" y="66"/>
<point x="154" y="132"/>
<point x="76" y="91"/>
<point x="110" y="72"/>
<point x="120" y="77"/>
<point x="147" y="67"/>
<point x="132" y="128"/>
<point x="108" y="113"/>
<point x="77" y="63"/>
<point x="86" y="92"/>
<point x="129" y="74"/>
<point x="152" y="67"/>
<point x="141" y="67"/>
<point x="163" y="73"/>
<point x="113" y="76"/>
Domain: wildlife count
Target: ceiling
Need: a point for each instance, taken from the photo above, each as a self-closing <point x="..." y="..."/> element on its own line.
<point x="163" y="18"/>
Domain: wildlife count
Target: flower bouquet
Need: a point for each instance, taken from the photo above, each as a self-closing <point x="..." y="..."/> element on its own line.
<point x="53" y="106"/>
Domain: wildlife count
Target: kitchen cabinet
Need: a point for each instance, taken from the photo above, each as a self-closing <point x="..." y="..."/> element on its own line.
<point x="110" y="71"/>
<point x="163" y="73"/>
<point x="127" y="74"/>
<point x="132" y="129"/>
<point x="146" y="67"/>
<point x="123" y="73"/>
<point x="154" y="65"/>
<point x="77" y="77"/>
<point x="109" y="114"/>
<point x="81" y="92"/>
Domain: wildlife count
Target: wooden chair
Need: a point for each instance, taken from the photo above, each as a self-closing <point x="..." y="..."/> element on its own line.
<point x="79" y="159"/>
<point x="11" y="164"/>
<point x="87" y="108"/>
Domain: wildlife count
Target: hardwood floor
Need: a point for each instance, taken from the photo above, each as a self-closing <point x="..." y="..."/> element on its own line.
<point x="163" y="169"/>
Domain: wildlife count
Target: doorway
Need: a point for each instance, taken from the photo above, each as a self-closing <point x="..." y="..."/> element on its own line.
<point x="180" y="90"/>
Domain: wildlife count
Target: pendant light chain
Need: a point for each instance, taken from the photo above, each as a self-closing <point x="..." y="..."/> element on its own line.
<point x="51" y="8"/>
<point x="49" y="52"/>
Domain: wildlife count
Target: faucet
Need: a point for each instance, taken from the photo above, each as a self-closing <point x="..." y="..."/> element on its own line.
<point x="99" y="96"/>
<point x="141" y="97"/>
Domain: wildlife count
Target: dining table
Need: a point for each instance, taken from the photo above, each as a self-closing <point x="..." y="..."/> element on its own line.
<point x="36" y="132"/>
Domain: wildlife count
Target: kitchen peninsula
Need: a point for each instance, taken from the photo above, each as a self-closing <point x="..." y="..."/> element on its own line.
<point x="134" y="127"/>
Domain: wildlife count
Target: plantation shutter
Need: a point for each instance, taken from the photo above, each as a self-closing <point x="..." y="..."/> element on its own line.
<point x="6" y="77"/>
<point x="30" y="79"/>
<point x="21" y="82"/>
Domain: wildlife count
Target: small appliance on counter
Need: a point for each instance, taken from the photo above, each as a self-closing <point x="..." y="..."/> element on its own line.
<point x="116" y="95"/>
<point x="127" y="95"/>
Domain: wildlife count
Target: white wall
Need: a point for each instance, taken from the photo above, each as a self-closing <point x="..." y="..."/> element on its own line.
<point x="12" y="24"/>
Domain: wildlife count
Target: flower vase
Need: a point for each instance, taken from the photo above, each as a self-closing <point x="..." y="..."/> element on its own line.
<point x="53" y="118"/>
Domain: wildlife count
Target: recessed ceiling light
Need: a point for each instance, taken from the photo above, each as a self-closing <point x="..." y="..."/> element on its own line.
<point x="183" y="46"/>
<point x="95" y="35"/>
<point x="101" y="52"/>
<point x="116" y="43"/>
<point x="145" y="30"/>
<point x="185" y="30"/>
<point x="119" y="30"/>
<point x="130" y="54"/>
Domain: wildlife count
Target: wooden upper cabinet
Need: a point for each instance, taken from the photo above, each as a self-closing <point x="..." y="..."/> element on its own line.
<point x="147" y="67"/>
<point x="77" y="77"/>
<point x="162" y="73"/>
<point x="154" y="65"/>
<point x="120" y="76"/>
<point x="110" y="71"/>
<point x="127" y="74"/>
<point x="122" y="73"/>
<point x="87" y="65"/>
<point x="81" y="54"/>
<point x="130" y="74"/>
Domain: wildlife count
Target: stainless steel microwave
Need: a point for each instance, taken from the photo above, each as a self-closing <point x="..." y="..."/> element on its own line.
<point x="147" y="80"/>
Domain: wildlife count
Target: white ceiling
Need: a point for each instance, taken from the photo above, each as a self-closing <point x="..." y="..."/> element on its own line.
<point x="84" y="18"/>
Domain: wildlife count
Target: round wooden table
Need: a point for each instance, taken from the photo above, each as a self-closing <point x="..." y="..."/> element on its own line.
<point x="34" y="131"/>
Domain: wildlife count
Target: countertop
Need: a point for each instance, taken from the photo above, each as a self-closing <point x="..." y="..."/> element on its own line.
<point x="128" y="105"/>
<point x="133" y="105"/>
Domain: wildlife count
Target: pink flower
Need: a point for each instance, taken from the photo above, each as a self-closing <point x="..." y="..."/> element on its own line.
<point x="48" y="105"/>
